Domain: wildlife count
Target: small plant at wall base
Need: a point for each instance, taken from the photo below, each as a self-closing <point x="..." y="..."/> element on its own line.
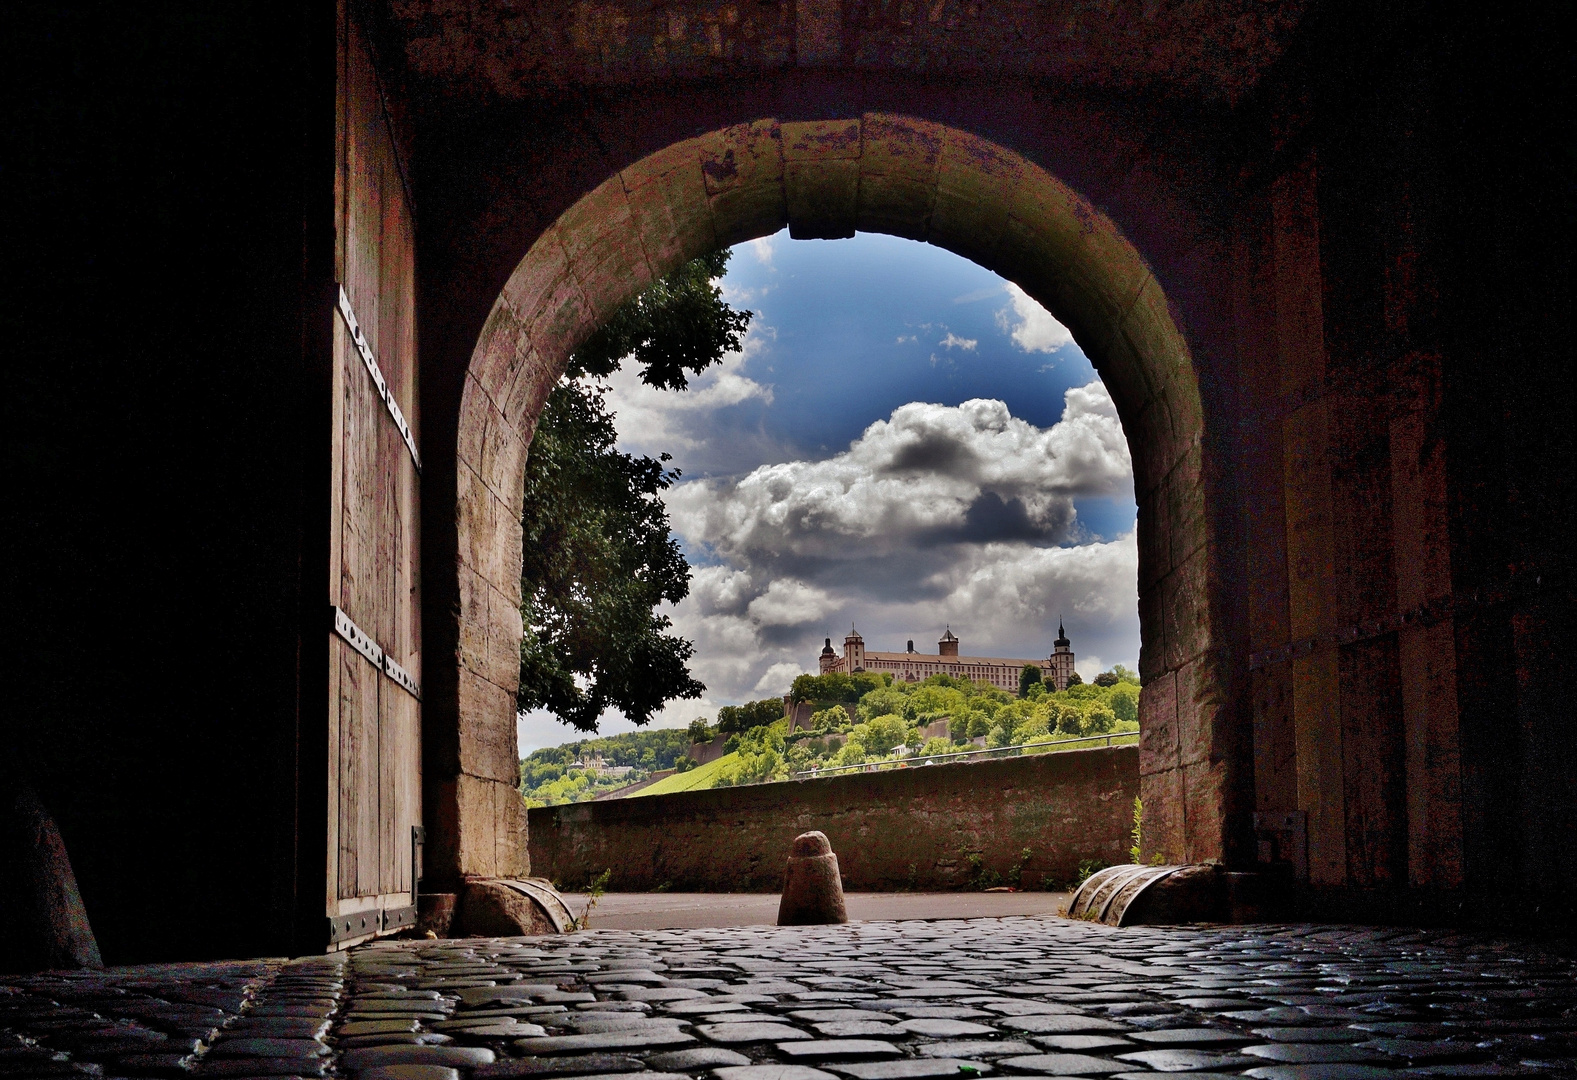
<point x="594" y="890"/>
<point x="1138" y="827"/>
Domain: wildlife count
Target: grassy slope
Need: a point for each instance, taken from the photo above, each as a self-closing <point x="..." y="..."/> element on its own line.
<point x="703" y="776"/>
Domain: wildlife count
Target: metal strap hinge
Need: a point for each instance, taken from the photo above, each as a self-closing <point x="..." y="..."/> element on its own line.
<point x="362" y="642"/>
<point x="371" y="363"/>
<point x="373" y="921"/>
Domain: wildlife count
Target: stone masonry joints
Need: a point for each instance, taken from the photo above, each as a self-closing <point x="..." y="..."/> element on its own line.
<point x="863" y="1001"/>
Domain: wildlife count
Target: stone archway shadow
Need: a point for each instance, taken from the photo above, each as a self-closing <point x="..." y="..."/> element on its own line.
<point x="826" y="180"/>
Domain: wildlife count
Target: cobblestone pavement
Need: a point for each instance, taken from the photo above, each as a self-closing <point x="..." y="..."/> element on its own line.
<point x="868" y="1001"/>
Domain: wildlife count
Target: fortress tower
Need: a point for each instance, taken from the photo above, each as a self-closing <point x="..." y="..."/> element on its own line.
<point x="829" y="659"/>
<point x="948" y="645"/>
<point x="853" y="652"/>
<point x="1060" y="665"/>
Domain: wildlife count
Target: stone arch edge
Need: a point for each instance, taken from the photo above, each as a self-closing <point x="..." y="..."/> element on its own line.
<point x="828" y="179"/>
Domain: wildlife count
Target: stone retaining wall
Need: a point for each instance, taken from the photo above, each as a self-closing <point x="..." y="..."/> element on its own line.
<point x="932" y="827"/>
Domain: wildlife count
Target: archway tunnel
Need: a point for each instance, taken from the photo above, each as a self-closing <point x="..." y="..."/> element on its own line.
<point x="1324" y="274"/>
<point x="827" y="179"/>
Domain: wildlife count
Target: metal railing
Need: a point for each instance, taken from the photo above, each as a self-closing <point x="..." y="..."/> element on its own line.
<point x="914" y="761"/>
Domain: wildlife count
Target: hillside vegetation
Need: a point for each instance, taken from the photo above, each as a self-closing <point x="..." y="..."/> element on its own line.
<point x="884" y="730"/>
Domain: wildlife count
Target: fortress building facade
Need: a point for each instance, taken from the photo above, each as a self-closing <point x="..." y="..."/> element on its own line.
<point x="911" y="666"/>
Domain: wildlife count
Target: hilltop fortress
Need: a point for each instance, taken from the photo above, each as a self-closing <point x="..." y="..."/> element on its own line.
<point x="911" y="666"/>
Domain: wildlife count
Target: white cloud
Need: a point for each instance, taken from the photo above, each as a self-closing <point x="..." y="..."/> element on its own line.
<point x="953" y="341"/>
<point x="978" y="294"/>
<point x="938" y="515"/>
<point x="788" y="603"/>
<point x="763" y="249"/>
<point x="903" y="338"/>
<point x="777" y="680"/>
<point x="649" y="420"/>
<point x="928" y="475"/>
<point x="1032" y="327"/>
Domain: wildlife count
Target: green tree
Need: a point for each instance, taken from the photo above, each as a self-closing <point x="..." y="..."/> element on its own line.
<point x="1124" y="701"/>
<point x="1107" y="678"/>
<point x="699" y="731"/>
<point x="732" y="718"/>
<point x="880" y="734"/>
<point x="1027" y="678"/>
<point x="599" y="555"/>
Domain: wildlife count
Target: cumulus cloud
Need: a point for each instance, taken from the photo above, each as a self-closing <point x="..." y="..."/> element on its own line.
<point x="928" y="475"/>
<point x="686" y="424"/>
<point x="763" y="249"/>
<point x="953" y="341"/>
<point x="960" y="515"/>
<point x="1031" y="326"/>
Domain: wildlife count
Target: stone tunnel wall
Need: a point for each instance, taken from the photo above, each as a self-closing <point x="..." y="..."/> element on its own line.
<point x="936" y="827"/>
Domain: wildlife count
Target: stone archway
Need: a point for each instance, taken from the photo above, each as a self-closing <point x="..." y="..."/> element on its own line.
<point x="828" y="179"/>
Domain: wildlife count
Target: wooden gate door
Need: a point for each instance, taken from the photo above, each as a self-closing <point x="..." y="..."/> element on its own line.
<point x="374" y="617"/>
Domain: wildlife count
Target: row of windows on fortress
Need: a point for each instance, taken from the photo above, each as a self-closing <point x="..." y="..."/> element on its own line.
<point x="911" y="666"/>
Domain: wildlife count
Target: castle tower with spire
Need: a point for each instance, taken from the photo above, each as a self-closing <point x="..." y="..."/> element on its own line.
<point x="829" y="659"/>
<point x="853" y="651"/>
<point x="1060" y="665"/>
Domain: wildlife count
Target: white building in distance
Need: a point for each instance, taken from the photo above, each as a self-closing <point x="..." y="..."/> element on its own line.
<point x="911" y="666"/>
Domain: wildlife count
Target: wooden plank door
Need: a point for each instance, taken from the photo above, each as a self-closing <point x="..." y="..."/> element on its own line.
<point x="374" y="631"/>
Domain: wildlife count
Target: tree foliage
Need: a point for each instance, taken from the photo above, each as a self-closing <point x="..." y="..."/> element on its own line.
<point x="737" y="718"/>
<point x="1028" y="677"/>
<point x="677" y="327"/>
<point x="598" y="554"/>
<point x="836" y="686"/>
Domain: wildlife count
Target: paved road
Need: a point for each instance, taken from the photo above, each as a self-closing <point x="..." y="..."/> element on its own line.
<point x="1027" y="996"/>
<point x="667" y="911"/>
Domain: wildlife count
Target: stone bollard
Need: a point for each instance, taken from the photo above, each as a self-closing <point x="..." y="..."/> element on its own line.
<point x="812" y="889"/>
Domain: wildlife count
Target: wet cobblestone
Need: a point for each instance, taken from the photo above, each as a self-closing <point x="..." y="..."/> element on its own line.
<point x="871" y="1001"/>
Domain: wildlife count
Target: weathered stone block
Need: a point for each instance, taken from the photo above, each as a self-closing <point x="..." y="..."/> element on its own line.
<point x="598" y="219"/>
<point x="898" y="175"/>
<point x="561" y="320"/>
<point x="1155" y="552"/>
<point x="491" y="825"/>
<point x="1158" y="746"/>
<point x="1205" y="805"/>
<point x="524" y="396"/>
<point x="1164" y="829"/>
<point x="1184" y="492"/>
<point x="490" y="629"/>
<point x="1151" y="446"/>
<point x="821" y="177"/>
<point x="821" y="198"/>
<point x="668" y="205"/>
<point x="497" y="359"/>
<point x="503" y="460"/>
<point x="1152" y="633"/>
<point x="487" y="730"/>
<point x="975" y="185"/>
<point x="820" y="140"/>
<point x="480" y="519"/>
<point x="1185" y="606"/>
<point x="1275" y="745"/>
<point x="743" y="170"/>
<point x="537" y="276"/>
<point x="1152" y="330"/>
<point x="1199" y="684"/>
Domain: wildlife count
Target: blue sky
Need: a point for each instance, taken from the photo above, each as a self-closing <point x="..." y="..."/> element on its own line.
<point x="906" y="439"/>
